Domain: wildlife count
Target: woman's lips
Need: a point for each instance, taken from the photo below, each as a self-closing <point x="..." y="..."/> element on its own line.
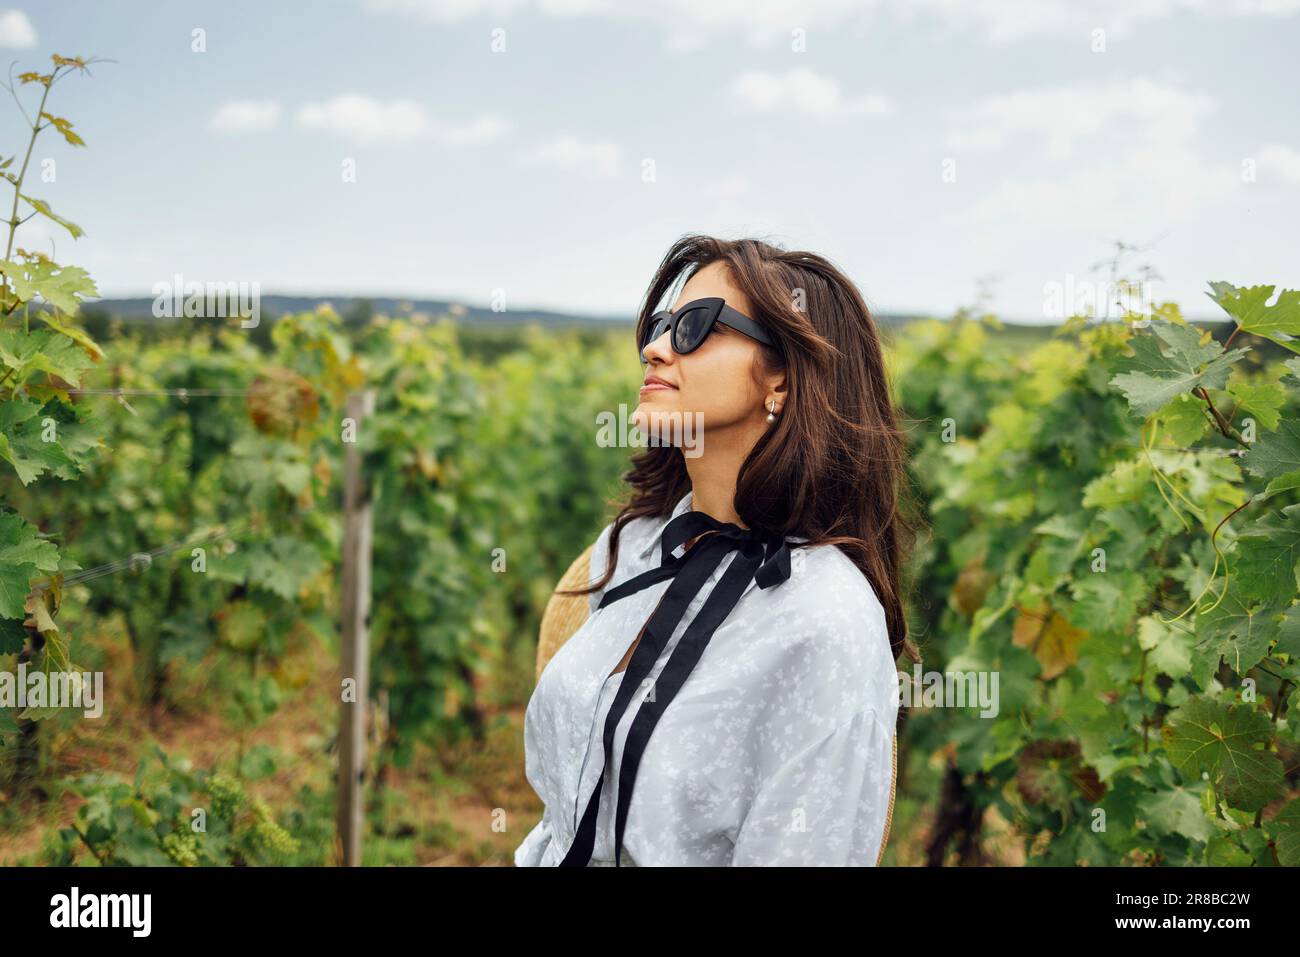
<point x="656" y="387"/>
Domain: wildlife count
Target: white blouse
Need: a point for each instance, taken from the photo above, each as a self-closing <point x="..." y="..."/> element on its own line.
<point x="776" y="750"/>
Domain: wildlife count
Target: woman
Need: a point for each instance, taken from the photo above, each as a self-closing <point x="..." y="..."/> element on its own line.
<point x="732" y="698"/>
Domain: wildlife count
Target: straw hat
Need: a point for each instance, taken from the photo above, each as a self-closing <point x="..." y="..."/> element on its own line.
<point x="565" y="614"/>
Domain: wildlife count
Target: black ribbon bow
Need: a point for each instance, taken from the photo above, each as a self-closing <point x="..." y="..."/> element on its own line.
<point x="764" y="558"/>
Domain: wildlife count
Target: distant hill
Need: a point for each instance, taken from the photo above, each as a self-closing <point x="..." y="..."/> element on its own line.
<point x="141" y="309"/>
<point x="359" y="308"/>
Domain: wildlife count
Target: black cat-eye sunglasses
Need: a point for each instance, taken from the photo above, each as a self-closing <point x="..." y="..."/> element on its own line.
<point x="691" y="324"/>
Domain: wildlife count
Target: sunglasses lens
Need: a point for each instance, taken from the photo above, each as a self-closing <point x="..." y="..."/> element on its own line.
<point x="654" y="331"/>
<point x="691" y="330"/>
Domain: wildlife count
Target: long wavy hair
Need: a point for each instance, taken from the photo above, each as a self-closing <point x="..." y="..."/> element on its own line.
<point x="832" y="466"/>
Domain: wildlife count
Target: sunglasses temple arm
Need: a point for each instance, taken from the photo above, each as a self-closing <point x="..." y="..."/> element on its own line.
<point x="744" y="324"/>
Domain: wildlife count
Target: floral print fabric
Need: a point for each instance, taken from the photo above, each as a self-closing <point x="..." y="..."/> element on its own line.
<point x="776" y="751"/>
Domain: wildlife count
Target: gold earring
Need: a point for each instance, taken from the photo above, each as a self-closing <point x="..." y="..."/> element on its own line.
<point x="771" y="411"/>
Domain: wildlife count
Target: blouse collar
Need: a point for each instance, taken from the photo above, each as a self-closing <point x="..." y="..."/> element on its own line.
<point x="683" y="504"/>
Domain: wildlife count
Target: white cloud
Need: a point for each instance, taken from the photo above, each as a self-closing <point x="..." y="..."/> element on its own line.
<point x="1280" y="161"/>
<point x="1150" y="187"/>
<point x="352" y="114"/>
<point x="449" y="11"/>
<point x="689" y="24"/>
<point x="696" y="23"/>
<point x="482" y="129"/>
<point x="981" y="138"/>
<point x="16" y="30"/>
<point x="1061" y="117"/>
<point x="1003" y="21"/>
<point x="245" y="116"/>
<point x="803" y="91"/>
<point x="1115" y="155"/>
<point x="368" y="119"/>
<point x="1276" y="8"/>
<point x="569" y="152"/>
<point x="731" y="186"/>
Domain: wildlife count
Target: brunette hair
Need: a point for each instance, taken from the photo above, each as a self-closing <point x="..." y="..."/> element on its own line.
<point x="832" y="466"/>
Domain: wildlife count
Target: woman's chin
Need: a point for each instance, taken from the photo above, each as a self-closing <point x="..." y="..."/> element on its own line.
<point x="649" y="418"/>
<point x="663" y="423"/>
<point x="640" y="418"/>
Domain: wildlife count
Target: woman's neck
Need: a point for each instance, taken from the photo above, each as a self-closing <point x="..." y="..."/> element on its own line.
<point x="713" y="483"/>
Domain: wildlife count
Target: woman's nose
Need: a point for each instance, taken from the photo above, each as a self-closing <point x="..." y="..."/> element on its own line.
<point x="658" y="348"/>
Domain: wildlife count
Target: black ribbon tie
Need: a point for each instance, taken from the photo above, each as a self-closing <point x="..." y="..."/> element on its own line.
<point x="764" y="558"/>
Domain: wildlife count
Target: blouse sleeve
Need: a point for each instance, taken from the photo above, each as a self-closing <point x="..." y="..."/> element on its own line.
<point x="825" y="806"/>
<point x="529" y="852"/>
<point x="599" y="555"/>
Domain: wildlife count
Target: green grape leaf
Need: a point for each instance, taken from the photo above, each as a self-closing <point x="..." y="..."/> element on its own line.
<point x="42" y="351"/>
<point x="1185" y="419"/>
<point x="54" y="658"/>
<point x="1275" y="453"/>
<point x="65" y="127"/>
<point x="1169" y="648"/>
<point x="1293" y="371"/>
<point x="1230" y="744"/>
<point x="23" y="555"/>
<point x="1154" y="376"/>
<point x="16" y="273"/>
<point x="15" y="581"/>
<point x="241" y="625"/>
<point x="1279" y="322"/>
<point x="1222" y="851"/>
<point x="63" y="287"/>
<point x="23" y="445"/>
<point x="1267" y="552"/>
<point x="1283" y="483"/>
<point x="43" y="208"/>
<point x="283" y="566"/>
<point x="1285" y="828"/>
<point x="72" y="332"/>
<point x="1176" y="810"/>
<point x="1262" y="400"/>
<point x="21" y="544"/>
<point x="293" y="477"/>
<point x="1288" y="633"/>
<point x="12" y="636"/>
<point x="1106" y="601"/>
<point x="1238" y="629"/>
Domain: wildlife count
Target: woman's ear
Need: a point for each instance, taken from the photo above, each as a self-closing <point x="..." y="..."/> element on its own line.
<point x="776" y="385"/>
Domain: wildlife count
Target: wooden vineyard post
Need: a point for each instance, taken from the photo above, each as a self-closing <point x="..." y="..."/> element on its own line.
<point x="355" y="601"/>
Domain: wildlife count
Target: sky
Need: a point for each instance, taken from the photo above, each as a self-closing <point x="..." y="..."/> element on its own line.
<point x="546" y="153"/>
